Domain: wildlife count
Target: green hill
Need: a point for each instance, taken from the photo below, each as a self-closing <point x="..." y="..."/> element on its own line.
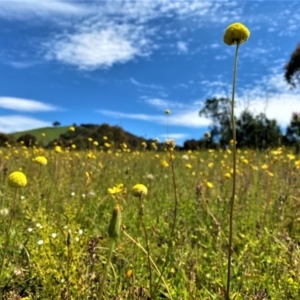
<point x="51" y="133"/>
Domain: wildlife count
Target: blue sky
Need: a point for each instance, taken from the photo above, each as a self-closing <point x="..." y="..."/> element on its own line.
<point x="126" y="62"/>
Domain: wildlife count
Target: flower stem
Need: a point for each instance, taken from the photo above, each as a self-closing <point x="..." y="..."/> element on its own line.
<point x="101" y="287"/>
<point x="233" y="177"/>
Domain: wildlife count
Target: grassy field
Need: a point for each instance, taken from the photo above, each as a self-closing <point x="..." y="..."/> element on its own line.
<point x="54" y="231"/>
<point x="51" y="133"/>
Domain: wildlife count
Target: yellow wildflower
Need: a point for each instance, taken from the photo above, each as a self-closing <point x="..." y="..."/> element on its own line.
<point x="236" y="33"/>
<point x="188" y="166"/>
<point x="57" y="149"/>
<point x="17" y="179"/>
<point x="209" y="184"/>
<point x="42" y="160"/>
<point x="116" y="189"/>
<point x="139" y="190"/>
<point x="167" y="111"/>
<point x="72" y="128"/>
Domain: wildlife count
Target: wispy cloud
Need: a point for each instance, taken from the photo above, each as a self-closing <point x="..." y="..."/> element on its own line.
<point x="144" y="85"/>
<point x="13" y="123"/>
<point x="120" y="31"/>
<point x="182" y="47"/>
<point x="175" y="136"/>
<point x="98" y="48"/>
<point x="26" y="105"/>
<point x="24" y="9"/>
<point x="182" y="119"/>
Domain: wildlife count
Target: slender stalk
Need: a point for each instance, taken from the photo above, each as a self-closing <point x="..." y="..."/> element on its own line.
<point x="173" y="224"/>
<point x="233" y="177"/>
<point x="7" y="232"/>
<point x="147" y="243"/>
<point x="110" y="252"/>
<point x="153" y="263"/>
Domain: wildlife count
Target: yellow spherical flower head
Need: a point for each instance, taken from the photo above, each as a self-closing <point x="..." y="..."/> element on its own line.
<point x="167" y="111"/>
<point x="42" y="160"/>
<point x="72" y="128"/>
<point x="57" y="149"/>
<point x="236" y="33"/>
<point x="139" y="190"/>
<point x="17" y="179"/>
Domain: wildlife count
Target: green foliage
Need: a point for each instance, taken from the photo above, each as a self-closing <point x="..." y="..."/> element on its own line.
<point x="70" y="211"/>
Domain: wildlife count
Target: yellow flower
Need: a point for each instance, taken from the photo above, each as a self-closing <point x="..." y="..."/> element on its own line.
<point x="139" y="190"/>
<point x="116" y="189"/>
<point x="17" y="179"/>
<point x="104" y="138"/>
<point x="43" y="134"/>
<point x="209" y="184"/>
<point x="95" y="143"/>
<point x="72" y="128"/>
<point x="73" y="146"/>
<point x="188" y="166"/>
<point x="128" y="273"/>
<point x="236" y="33"/>
<point x="167" y="111"/>
<point x="42" y="160"/>
<point x="227" y="175"/>
<point x="90" y="139"/>
<point x="164" y="163"/>
<point x="264" y="166"/>
<point x="57" y="149"/>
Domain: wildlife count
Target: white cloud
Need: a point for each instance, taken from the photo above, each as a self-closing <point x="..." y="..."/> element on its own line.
<point x="19" y="104"/>
<point x="162" y="105"/>
<point x="23" y="9"/>
<point x="175" y="136"/>
<point x="182" y="119"/>
<point x="120" y="31"/>
<point x="182" y="47"/>
<point x="143" y="85"/>
<point x="98" y="48"/>
<point x="13" y="123"/>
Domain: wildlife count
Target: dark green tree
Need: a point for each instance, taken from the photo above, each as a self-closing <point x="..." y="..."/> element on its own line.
<point x="292" y="68"/>
<point x="218" y="110"/>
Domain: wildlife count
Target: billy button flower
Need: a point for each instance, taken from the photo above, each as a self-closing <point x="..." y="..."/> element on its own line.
<point x="235" y="34"/>
<point x="42" y="160"/>
<point x="139" y="190"/>
<point x="17" y="180"/>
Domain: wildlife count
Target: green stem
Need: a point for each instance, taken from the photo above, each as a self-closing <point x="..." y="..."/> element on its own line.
<point x="101" y="287"/>
<point x="147" y="243"/>
<point x="233" y="177"/>
<point x="7" y="233"/>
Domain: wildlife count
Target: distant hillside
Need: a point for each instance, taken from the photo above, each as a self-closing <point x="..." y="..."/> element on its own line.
<point x="113" y="136"/>
<point x="51" y="133"/>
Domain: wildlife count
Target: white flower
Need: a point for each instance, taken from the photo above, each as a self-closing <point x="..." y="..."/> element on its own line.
<point x="22" y="197"/>
<point x="40" y="242"/>
<point x="73" y="194"/>
<point x="38" y="225"/>
<point x="30" y="229"/>
<point x="80" y="231"/>
<point x="77" y="239"/>
<point x="4" y="212"/>
<point x="54" y="235"/>
<point x="83" y="195"/>
<point x="185" y="156"/>
<point x="150" y="176"/>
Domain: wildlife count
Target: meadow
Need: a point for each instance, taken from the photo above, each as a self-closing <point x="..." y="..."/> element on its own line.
<point x="173" y="241"/>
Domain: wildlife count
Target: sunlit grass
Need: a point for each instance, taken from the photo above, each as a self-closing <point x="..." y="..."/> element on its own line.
<point x="59" y="243"/>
